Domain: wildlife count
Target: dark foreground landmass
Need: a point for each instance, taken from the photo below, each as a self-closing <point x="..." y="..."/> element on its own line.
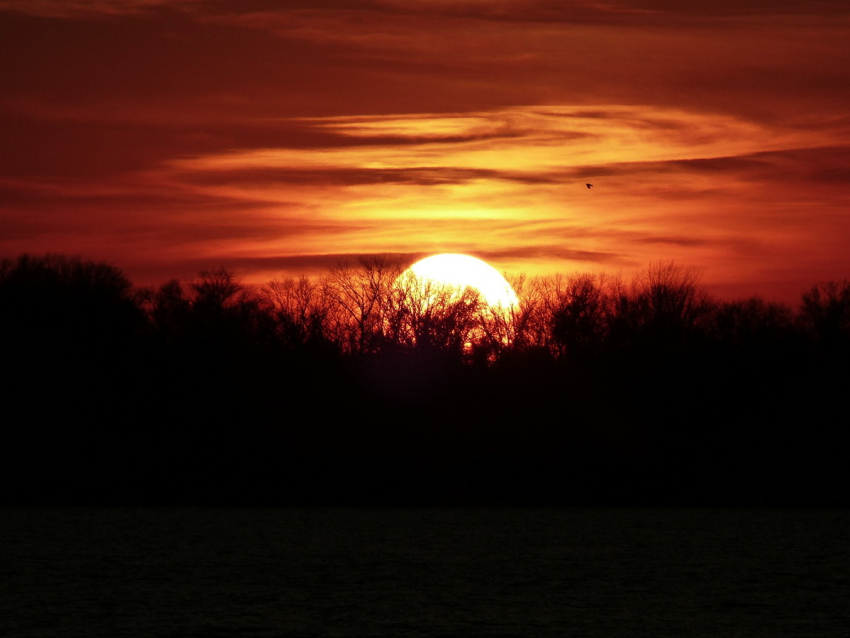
<point x="602" y="394"/>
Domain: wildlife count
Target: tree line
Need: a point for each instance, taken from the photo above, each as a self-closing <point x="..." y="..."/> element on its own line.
<point x="362" y="386"/>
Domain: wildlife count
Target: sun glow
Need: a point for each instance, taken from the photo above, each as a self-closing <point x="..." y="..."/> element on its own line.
<point x="462" y="271"/>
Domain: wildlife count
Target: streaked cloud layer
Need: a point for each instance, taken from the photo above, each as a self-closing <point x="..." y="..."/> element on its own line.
<point x="166" y="136"/>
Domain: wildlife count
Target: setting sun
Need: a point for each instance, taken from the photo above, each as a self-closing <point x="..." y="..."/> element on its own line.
<point x="463" y="271"/>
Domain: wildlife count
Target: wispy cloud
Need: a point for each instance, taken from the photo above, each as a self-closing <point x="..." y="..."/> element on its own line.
<point x="87" y="8"/>
<point x="173" y="133"/>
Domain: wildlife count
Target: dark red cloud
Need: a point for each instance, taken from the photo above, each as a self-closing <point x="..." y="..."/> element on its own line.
<point x="163" y="133"/>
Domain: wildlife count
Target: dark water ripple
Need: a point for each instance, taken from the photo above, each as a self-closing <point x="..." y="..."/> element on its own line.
<point x="261" y="573"/>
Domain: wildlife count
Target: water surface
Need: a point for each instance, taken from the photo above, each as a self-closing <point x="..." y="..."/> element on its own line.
<point x="424" y="572"/>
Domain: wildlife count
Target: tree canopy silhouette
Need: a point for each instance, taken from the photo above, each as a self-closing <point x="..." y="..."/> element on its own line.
<point x="355" y="387"/>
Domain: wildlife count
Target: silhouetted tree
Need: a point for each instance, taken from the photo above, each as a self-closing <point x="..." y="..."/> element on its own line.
<point x="65" y="301"/>
<point x="826" y="313"/>
<point x="660" y="311"/>
<point x="357" y="298"/>
<point x="65" y="323"/>
<point x="752" y="328"/>
<point x="214" y="311"/>
<point x="71" y="360"/>
<point x="169" y="309"/>
<point x="300" y="310"/>
<point x="517" y="331"/>
<point x="578" y="309"/>
<point x="434" y="318"/>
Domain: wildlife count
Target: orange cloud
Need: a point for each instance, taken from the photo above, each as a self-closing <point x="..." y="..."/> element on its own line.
<point x="161" y="134"/>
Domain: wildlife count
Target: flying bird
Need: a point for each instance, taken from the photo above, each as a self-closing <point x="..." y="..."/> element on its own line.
<point x="589" y="185"/>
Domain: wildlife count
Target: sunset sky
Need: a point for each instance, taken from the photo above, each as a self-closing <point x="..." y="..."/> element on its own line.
<point x="278" y="138"/>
